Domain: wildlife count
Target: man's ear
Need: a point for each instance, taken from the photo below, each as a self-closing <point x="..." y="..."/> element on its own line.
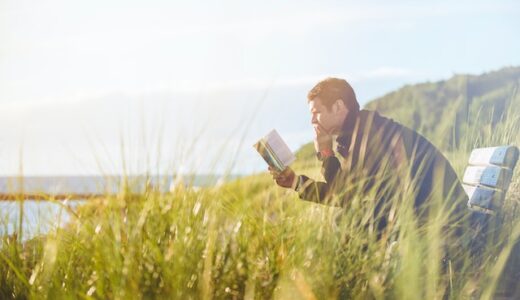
<point x="338" y="106"/>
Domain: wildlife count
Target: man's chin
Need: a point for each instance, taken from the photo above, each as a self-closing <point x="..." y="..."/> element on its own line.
<point x="331" y="131"/>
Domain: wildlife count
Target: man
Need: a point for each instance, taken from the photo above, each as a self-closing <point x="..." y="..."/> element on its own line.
<point x="380" y="166"/>
<point x="374" y="155"/>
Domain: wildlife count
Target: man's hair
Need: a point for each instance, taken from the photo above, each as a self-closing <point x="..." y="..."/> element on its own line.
<point x="331" y="89"/>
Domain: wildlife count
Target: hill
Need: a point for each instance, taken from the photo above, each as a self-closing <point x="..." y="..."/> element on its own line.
<point x="444" y="110"/>
<point x="250" y="239"/>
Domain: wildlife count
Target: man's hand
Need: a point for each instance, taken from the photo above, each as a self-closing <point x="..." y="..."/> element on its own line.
<point x="285" y="179"/>
<point x="323" y="140"/>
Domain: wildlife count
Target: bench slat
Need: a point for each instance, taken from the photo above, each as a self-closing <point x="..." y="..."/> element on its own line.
<point x="504" y="156"/>
<point x="491" y="176"/>
<point x="482" y="198"/>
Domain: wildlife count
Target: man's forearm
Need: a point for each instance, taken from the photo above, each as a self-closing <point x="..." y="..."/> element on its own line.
<point x="317" y="191"/>
<point x="311" y="190"/>
<point x="330" y="168"/>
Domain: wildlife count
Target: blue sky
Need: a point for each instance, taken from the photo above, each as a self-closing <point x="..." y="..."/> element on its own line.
<point x="78" y="78"/>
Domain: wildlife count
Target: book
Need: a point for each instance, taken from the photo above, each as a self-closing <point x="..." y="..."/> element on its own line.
<point x="275" y="151"/>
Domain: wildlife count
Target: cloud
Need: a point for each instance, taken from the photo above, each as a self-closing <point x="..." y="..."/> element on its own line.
<point x="192" y="87"/>
<point x="387" y="73"/>
<point x="245" y="84"/>
<point x="290" y="21"/>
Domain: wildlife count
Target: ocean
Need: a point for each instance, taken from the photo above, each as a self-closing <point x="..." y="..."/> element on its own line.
<point x="40" y="216"/>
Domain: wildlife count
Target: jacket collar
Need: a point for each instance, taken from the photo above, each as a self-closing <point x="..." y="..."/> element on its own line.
<point x="346" y="132"/>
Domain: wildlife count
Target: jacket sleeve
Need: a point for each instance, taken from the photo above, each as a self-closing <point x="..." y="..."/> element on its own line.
<point x="318" y="191"/>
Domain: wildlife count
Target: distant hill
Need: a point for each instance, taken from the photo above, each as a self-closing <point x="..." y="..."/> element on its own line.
<point x="442" y="111"/>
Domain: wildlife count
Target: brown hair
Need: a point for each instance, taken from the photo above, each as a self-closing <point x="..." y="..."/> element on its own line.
<point x="331" y="89"/>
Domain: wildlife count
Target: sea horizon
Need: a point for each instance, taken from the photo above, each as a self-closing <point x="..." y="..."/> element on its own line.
<point x="104" y="184"/>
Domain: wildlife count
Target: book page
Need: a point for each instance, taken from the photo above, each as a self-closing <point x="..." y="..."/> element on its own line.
<point x="280" y="148"/>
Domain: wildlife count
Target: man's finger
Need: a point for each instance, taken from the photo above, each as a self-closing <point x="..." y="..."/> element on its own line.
<point x="279" y="178"/>
<point x="317" y="130"/>
<point x="321" y="131"/>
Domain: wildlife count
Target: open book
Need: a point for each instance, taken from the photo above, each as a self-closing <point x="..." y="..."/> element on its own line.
<point x="275" y="151"/>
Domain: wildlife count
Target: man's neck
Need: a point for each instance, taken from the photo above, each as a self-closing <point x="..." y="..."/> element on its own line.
<point x="348" y="123"/>
<point x="344" y="137"/>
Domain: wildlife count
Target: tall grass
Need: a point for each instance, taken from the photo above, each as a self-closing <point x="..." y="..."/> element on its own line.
<point x="251" y="239"/>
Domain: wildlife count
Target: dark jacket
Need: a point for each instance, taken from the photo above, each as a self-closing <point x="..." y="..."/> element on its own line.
<point x="380" y="156"/>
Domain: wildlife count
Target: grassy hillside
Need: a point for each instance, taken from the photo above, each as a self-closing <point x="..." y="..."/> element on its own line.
<point x="445" y="111"/>
<point x="249" y="239"/>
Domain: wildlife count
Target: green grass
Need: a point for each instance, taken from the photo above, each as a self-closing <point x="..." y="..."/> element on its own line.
<point x="251" y="239"/>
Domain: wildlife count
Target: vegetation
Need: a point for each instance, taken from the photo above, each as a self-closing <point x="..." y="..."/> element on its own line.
<point x="444" y="111"/>
<point x="251" y="239"/>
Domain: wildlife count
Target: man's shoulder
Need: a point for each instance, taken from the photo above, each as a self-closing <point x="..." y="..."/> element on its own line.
<point x="366" y="114"/>
<point x="378" y="120"/>
<point x="388" y="124"/>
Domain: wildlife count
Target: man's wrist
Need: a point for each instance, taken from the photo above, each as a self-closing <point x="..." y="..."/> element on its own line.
<point x="295" y="183"/>
<point x="324" y="153"/>
<point x="323" y="142"/>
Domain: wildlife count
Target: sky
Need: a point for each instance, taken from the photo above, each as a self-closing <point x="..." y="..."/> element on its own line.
<point x="97" y="87"/>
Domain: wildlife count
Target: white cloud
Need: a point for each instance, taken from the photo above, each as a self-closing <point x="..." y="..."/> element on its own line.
<point x="314" y="19"/>
<point x="387" y="73"/>
<point x="208" y="87"/>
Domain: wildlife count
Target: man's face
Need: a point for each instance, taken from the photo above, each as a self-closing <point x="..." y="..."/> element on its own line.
<point x="327" y="120"/>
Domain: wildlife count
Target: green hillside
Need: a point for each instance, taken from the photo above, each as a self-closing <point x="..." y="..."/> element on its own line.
<point x="444" y="110"/>
<point x="250" y="239"/>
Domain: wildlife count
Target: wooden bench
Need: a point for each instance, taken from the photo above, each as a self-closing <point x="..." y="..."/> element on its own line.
<point x="487" y="177"/>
